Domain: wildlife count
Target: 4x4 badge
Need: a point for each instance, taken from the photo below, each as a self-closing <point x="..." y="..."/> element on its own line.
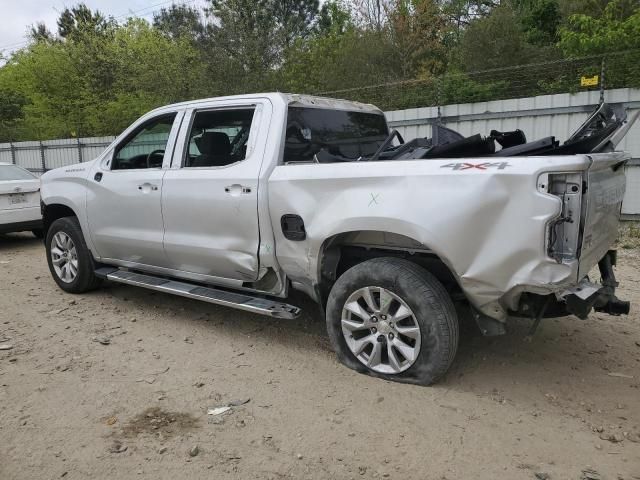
<point x="479" y="166"/>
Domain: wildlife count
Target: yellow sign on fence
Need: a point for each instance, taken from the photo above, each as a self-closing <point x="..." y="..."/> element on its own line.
<point x="589" y="81"/>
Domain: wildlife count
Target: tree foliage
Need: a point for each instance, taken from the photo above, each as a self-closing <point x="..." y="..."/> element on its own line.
<point x="93" y="75"/>
<point x="80" y="21"/>
<point x="616" y="28"/>
<point x="180" y="21"/>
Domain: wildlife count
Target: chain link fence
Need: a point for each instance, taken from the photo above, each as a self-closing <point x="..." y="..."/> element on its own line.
<point x="613" y="70"/>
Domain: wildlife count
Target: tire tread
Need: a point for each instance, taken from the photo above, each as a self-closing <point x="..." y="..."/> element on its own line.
<point x="86" y="279"/>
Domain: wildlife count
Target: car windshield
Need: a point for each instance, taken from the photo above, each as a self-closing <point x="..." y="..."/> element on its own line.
<point x="346" y="134"/>
<point x="11" y="172"/>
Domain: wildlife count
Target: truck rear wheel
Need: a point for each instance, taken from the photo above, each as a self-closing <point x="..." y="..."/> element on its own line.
<point x="390" y="318"/>
<point x="69" y="259"/>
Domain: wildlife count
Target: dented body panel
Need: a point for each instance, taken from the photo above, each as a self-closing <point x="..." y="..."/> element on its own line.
<point x="488" y="225"/>
<point x="495" y="222"/>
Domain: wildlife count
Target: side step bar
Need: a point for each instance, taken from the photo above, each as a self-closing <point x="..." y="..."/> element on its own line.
<point x="240" y="301"/>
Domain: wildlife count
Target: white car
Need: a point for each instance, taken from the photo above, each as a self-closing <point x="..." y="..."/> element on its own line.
<point x="19" y="200"/>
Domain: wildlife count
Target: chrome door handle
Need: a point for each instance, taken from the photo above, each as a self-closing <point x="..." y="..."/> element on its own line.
<point x="148" y="186"/>
<point x="237" y="189"/>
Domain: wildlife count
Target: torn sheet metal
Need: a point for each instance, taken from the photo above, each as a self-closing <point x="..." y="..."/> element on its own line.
<point x="583" y="290"/>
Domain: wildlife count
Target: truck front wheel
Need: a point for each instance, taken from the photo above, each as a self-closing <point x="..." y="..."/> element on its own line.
<point x="70" y="261"/>
<point x="392" y="319"/>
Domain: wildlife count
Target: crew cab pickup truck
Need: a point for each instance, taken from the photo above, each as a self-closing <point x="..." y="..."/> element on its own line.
<point x="237" y="200"/>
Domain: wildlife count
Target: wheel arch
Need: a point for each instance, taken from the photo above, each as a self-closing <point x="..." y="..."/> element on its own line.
<point x="344" y="250"/>
<point x="54" y="211"/>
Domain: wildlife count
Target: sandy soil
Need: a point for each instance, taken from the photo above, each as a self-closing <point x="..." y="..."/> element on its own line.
<point x="136" y="406"/>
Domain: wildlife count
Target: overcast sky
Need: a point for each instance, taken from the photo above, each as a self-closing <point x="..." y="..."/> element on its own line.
<point x="16" y="16"/>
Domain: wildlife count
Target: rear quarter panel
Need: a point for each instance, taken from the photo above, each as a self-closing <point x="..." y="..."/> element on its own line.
<point x="486" y="221"/>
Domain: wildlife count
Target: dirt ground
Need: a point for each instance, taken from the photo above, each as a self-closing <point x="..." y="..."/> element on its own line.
<point x="117" y="384"/>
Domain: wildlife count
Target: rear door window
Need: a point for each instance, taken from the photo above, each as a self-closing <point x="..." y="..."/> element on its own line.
<point x="218" y="137"/>
<point x="339" y="132"/>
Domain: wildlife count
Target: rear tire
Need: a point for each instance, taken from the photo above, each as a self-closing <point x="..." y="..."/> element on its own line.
<point x="70" y="261"/>
<point x="404" y="328"/>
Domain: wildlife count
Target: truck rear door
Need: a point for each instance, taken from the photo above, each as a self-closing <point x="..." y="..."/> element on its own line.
<point x="210" y="194"/>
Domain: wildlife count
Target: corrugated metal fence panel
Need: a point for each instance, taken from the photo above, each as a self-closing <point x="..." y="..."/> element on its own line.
<point x="94" y="146"/>
<point x="60" y="153"/>
<point x="28" y="155"/>
<point x="558" y="115"/>
<point x="5" y="156"/>
<point x="56" y="153"/>
<point x="632" y="195"/>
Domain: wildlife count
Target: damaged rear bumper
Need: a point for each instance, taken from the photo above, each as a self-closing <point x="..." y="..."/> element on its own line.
<point x="587" y="296"/>
<point x="578" y="300"/>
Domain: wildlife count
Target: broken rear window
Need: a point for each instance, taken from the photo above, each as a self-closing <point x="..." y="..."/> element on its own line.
<point x="341" y="133"/>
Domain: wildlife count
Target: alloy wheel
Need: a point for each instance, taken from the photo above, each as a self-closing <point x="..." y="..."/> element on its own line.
<point x="381" y="330"/>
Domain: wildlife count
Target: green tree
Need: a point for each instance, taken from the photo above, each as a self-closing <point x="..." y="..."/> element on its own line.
<point x="501" y="39"/>
<point x="249" y="38"/>
<point x="594" y="8"/>
<point x="12" y="105"/>
<point x="45" y="76"/>
<point x="180" y="21"/>
<point x="244" y="36"/>
<point x="334" y="18"/>
<point x="493" y="42"/>
<point x="355" y="58"/>
<point x="40" y="33"/>
<point x="372" y="14"/>
<point x="96" y="83"/>
<point x="461" y="13"/>
<point x="80" y="20"/>
<point x="540" y="20"/>
<point x="416" y="30"/>
<point x="294" y="19"/>
<point x="618" y="28"/>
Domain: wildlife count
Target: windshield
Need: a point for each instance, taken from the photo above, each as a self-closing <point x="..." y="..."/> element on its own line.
<point x="343" y="133"/>
<point x="11" y="172"/>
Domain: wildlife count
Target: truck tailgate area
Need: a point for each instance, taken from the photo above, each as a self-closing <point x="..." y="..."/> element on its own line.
<point x="605" y="186"/>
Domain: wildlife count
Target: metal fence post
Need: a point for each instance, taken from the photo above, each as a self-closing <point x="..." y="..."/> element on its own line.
<point x="44" y="163"/>
<point x="79" y="149"/>
<point x="12" y="147"/>
<point x="602" y="72"/>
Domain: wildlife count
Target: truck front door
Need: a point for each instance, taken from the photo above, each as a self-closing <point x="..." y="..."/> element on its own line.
<point x="124" y="193"/>
<point x="210" y="194"/>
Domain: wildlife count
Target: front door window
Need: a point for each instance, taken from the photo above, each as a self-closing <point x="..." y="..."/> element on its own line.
<point x="145" y="146"/>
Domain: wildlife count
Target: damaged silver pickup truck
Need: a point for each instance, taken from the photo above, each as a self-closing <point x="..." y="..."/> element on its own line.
<point x="237" y="200"/>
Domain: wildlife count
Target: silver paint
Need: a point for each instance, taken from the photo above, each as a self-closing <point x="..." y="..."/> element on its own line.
<point x="490" y="227"/>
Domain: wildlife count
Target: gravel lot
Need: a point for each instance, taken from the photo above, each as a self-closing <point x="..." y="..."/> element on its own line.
<point x="117" y="383"/>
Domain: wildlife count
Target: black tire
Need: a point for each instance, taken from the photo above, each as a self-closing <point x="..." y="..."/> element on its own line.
<point x="85" y="278"/>
<point x="433" y="310"/>
<point x="38" y="233"/>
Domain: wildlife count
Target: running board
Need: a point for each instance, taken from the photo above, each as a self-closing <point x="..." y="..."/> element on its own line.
<point x="240" y="301"/>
